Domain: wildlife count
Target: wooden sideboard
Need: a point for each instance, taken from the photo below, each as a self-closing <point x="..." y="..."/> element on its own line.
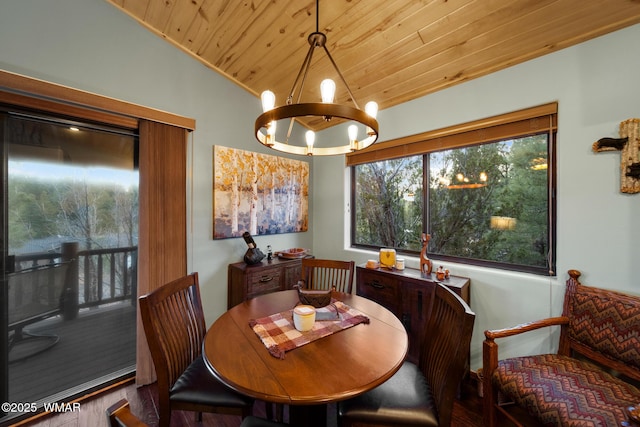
<point x="403" y="293"/>
<point x="248" y="281"/>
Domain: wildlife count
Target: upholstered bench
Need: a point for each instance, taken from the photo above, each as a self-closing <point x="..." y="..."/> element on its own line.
<point x="590" y="381"/>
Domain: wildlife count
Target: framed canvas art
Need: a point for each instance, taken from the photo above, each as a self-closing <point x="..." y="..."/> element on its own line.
<point x="258" y="193"/>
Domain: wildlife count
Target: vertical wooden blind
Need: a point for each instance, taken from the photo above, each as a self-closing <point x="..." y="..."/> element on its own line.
<point x="162" y="242"/>
<point x="515" y="124"/>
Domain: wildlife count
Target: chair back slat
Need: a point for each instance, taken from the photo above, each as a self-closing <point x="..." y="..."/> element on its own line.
<point x="445" y="352"/>
<point x="324" y="274"/>
<point x="174" y="325"/>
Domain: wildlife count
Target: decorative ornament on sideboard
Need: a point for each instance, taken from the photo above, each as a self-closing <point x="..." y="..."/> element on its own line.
<point x="387" y="258"/>
<point x="253" y="255"/>
<point x="426" y="266"/>
<point x="629" y="146"/>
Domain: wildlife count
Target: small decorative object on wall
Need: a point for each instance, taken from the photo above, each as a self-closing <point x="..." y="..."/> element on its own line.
<point x="258" y="193"/>
<point x="629" y="146"/>
<point x="425" y="263"/>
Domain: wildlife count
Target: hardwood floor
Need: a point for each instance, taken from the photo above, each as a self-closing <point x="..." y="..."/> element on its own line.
<point x="143" y="400"/>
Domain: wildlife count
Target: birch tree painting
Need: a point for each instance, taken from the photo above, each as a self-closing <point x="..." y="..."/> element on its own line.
<point x="258" y="193"/>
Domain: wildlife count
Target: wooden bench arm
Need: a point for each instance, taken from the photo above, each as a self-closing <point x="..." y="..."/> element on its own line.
<point x="490" y="359"/>
<point x="525" y="327"/>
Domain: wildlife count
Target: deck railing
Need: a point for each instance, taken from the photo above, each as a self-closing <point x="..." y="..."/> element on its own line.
<point x="94" y="277"/>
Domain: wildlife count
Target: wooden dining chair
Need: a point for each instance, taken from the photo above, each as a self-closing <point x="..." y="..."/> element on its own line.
<point x="119" y="415"/>
<point x="174" y="325"/>
<point x="325" y="274"/>
<point x="421" y="394"/>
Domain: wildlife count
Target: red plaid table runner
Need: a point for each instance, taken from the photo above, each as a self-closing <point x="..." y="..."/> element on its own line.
<point x="279" y="335"/>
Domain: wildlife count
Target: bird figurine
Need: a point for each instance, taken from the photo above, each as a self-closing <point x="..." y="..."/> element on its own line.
<point x="315" y="298"/>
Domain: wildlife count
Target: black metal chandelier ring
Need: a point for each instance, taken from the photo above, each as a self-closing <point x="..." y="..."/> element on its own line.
<point x="315" y="109"/>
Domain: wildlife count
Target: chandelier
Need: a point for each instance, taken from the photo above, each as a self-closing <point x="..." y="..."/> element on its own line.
<point x="265" y="126"/>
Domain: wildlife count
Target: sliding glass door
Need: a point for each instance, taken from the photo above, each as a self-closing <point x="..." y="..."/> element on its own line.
<point x="70" y="250"/>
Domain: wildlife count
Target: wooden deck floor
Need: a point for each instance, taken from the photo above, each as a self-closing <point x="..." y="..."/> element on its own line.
<point x="95" y="345"/>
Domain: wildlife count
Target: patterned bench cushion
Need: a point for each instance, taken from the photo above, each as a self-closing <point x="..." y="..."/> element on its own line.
<point x="607" y="322"/>
<point x="563" y="391"/>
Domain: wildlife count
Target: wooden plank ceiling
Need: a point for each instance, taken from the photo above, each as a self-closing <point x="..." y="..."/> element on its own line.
<point x="390" y="51"/>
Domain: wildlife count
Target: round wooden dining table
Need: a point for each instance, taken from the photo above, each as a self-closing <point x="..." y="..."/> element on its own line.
<point x="333" y="368"/>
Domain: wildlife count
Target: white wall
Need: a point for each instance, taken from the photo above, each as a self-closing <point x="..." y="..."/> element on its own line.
<point x="596" y="85"/>
<point x="90" y="45"/>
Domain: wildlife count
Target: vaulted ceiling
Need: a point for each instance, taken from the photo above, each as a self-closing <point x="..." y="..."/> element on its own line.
<point x="390" y="51"/>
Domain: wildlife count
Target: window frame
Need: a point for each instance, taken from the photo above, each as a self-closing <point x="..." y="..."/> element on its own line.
<point x="518" y="124"/>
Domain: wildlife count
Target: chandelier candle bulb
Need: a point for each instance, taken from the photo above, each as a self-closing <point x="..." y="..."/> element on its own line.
<point x="310" y="136"/>
<point x="268" y="100"/>
<point x="353" y="136"/>
<point x="371" y="108"/>
<point x="271" y="133"/>
<point x="327" y="90"/>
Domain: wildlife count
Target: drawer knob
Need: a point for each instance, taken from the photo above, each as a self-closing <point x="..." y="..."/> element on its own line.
<point x="265" y="279"/>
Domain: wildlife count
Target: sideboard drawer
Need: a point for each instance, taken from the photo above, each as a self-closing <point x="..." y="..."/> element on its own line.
<point x="248" y="281"/>
<point x="264" y="281"/>
<point x="381" y="289"/>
